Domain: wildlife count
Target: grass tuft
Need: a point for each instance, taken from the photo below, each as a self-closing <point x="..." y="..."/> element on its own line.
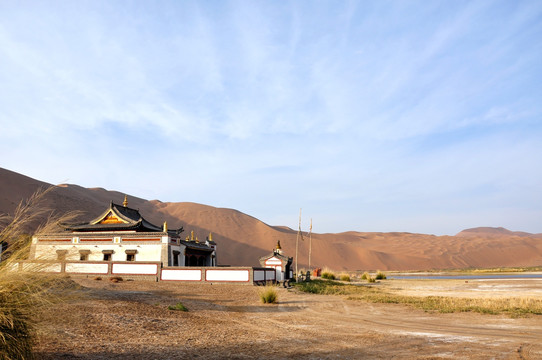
<point x="345" y="277"/>
<point x="177" y="307"/>
<point x="269" y="295"/>
<point x="380" y="275"/>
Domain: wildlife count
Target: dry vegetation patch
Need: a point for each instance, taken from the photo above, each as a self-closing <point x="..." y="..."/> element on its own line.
<point x="513" y="306"/>
<point x="22" y="290"/>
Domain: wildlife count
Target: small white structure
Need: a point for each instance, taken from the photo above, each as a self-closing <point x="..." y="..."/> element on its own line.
<point x="282" y="264"/>
<point x="121" y="234"/>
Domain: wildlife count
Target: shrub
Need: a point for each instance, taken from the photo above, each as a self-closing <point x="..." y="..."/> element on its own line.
<point x="269" y="295"/>
<point x="328" y="275"/>
<point x="365" y="276"/>
<point x="98" y="278"/>
<point x="177" y="307"/>
<point x="116" y="279"/>
<point x="345" y="277"/>
<point x="371" y="279"/>
<point x="380" y="275"/>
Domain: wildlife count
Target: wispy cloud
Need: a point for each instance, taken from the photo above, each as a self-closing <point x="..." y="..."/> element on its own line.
<point x="373" y="114"/>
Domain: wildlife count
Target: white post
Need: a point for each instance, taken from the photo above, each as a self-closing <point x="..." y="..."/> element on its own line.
<point x="297" y="247"/>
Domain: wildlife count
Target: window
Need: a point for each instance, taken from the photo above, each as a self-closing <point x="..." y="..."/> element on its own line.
<point x="83" y="255"/>
<point x="107" y="254"/>
<point x="61" y="255"/>
<point x="130" y="255"/>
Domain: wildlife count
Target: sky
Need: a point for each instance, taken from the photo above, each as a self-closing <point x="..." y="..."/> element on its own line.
<point x="416" y="116"/>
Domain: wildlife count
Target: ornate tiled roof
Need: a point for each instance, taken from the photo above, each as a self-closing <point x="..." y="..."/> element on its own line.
<point x="196" y="245"/>
<point x="118" y="218"/>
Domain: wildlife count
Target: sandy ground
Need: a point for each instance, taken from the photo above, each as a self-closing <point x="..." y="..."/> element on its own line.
<point x="130" y="320"/>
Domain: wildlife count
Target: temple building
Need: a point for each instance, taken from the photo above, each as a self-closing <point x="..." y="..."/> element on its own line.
<point x="120" y="233"/>
<point x="280" y="263"/>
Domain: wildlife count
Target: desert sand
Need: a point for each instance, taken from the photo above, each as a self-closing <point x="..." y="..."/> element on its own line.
<point x="243" y="239"/>
<point x="130" y="320"/>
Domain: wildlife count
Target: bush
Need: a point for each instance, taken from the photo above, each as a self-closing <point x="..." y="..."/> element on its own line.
<point x="365" y="276"/>
<point x="116" y="279"/>
<point x="269" y="295"/>
<point x="178" y="307"/>
<point x="371" y="279"/>
<point x="345" y="277"/>
<point x="328" y="275"/>
<point x="380" y="275"/>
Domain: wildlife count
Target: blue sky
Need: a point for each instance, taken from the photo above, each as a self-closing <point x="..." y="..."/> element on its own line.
<point x="371" y="116"/>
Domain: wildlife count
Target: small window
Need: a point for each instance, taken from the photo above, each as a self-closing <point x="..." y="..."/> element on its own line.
<point x="107" y="257"/>
<point x="61" y="255"/>
<point x="130" y="257"/>
<point x="83" y="255"/>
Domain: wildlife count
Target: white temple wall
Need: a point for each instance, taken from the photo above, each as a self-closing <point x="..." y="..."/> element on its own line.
<point x="144" y="252"/>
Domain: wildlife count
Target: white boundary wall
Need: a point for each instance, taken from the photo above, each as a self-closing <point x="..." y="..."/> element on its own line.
<point x="227" y="275"/>
<point x="247" y="275"/>
<point x="134" y="269"/>
<point x="42" y="267"/>
<point x="182" y="274"/>
<point x="83" y="268"/>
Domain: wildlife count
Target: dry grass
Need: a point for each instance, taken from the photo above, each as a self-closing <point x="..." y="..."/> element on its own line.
<point x="22" y="292"/>
<point x="269" y="295"/>
<point x="512" y="307"/>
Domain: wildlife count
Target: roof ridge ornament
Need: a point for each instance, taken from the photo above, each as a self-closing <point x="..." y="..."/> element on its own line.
<point x="125" y="202"/>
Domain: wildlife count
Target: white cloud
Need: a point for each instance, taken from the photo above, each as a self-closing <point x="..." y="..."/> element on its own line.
<point x="360" y="110"/>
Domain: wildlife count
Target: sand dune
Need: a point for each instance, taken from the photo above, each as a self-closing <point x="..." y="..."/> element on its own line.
<point x="242" y="239"/>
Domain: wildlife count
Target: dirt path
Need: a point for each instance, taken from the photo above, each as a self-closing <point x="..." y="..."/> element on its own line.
<point x="131" y="321"/>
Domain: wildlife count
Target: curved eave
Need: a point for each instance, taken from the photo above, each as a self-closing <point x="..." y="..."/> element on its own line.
<point x="278" y="256"/>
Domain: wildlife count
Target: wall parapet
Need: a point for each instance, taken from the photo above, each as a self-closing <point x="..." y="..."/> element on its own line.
<point x="153" y="270"/>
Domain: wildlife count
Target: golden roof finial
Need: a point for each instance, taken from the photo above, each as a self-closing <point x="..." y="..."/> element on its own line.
<point x="165" y="226"/>
<point x="278" y="245"/>
<point x="210" y="236"/>
<point x="125" y="202"/>
<point x="192" y="235"/>
<point x="197" y="239"/>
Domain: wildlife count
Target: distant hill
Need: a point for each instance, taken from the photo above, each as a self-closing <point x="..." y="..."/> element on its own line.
<point x="494" y="231"/>
<point x="242" y="239"/>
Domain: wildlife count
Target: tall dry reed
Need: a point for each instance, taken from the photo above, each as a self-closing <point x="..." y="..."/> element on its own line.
<point x="24" y="290"/>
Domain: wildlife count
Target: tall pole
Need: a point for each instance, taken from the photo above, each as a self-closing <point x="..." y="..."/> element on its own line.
<point x="310" y="246"/>
<point x="297" y="247"/>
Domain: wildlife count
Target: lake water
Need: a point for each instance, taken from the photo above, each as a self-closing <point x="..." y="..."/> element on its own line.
<point x="465" y="277"/>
